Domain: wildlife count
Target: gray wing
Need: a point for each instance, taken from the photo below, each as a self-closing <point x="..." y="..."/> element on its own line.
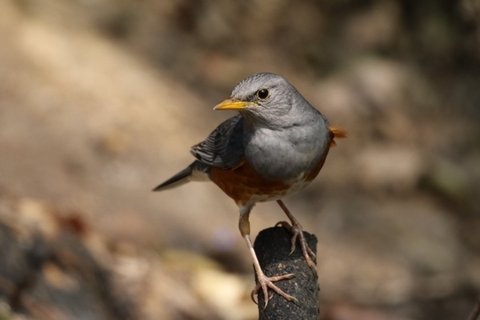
<point x="223" y="148"/>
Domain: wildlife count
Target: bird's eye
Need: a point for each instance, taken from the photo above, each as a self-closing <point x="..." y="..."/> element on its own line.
<point x="262" y="93"/>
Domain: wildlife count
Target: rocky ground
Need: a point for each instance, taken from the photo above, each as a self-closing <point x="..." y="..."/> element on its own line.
<point x="100" y="101"/>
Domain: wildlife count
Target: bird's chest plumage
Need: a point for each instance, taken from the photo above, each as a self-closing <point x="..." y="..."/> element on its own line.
<point x="275" y="164"/>
<point x="288" y="155"/>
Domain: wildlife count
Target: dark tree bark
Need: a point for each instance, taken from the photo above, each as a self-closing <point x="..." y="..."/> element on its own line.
<point x="272" y="246"/>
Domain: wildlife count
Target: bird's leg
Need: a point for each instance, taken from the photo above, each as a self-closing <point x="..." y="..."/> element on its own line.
<point x="264" y="282"/>
<point x="297" y="230"/>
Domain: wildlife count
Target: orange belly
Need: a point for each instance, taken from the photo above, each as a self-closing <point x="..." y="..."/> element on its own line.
<point x="243" y="183"/>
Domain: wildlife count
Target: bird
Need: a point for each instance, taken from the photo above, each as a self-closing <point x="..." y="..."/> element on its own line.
<point x="274" y="146"/>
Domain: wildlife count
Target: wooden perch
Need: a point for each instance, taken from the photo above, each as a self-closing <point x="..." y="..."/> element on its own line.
<point x="272" y="246"/>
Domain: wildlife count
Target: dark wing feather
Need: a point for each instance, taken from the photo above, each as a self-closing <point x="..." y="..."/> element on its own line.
<point x="223" y="148"/>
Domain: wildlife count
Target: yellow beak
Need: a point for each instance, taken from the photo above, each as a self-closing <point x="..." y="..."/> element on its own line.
<point x="230" y="104"/>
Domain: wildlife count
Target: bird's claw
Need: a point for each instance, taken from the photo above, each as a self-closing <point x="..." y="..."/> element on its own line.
<point x="297" y="234"/>
<point x="265" y="282"/>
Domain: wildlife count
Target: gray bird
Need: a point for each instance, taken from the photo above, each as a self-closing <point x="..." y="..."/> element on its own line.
<point x="276" y="145"/>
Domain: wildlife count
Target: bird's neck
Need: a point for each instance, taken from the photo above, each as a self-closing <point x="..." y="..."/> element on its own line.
<point x="252" y="123"/>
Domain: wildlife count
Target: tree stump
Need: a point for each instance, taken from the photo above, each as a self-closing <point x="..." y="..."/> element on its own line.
<point x="272" y="247"/>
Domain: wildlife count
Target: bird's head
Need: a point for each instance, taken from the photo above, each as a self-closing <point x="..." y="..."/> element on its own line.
<point x="264" y="97"/>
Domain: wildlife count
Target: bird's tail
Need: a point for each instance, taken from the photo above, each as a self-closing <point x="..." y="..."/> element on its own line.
<point x="193" y="172"/>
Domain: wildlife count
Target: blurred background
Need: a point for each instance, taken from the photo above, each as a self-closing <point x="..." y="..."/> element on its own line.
<point x="101" y="100"/>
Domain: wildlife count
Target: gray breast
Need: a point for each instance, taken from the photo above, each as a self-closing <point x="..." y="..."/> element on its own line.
<point x="288" y="153"/>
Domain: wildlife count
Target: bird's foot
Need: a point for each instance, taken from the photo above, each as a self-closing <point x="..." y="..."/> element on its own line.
<point x="297" y="234"/>
<point x="265" y="282"/>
